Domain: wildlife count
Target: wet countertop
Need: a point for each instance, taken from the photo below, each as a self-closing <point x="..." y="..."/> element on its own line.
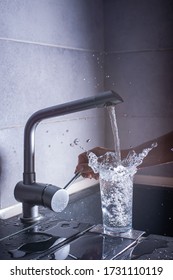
<point x="53" y="238"/>
<point x="69" y="236"/>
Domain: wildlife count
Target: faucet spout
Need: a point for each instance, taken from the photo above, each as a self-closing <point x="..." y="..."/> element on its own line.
<point x="29" y="176"/>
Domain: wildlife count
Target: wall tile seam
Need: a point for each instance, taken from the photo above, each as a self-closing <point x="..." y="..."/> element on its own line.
<point x="138" y="51"/>
<point x="54" y="122"/>
<point x="120" y="115"/>
<point x="42" y="44"/>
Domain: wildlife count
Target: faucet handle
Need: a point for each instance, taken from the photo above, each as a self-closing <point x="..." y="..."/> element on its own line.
<point x="48" y="195"/>
<point x="77" y="175"/>
<point x="55" y="198"/>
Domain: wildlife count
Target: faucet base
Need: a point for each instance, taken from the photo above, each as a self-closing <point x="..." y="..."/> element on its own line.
<point x="30" y="214"/>
<point x="30" y="221"/>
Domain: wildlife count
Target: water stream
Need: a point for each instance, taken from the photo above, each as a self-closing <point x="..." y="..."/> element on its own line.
<point x="113" y="120"/>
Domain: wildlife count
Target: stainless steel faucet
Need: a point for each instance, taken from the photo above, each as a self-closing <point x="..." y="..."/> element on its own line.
<point x="28" y="191"/>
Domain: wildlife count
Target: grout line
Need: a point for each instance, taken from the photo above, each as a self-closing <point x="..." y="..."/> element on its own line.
<point x="138" y="51"/>
<point x="106" y="52"/>
<point x="48" y="45"/>
<point x="52" y="121"/>
<point x="143" y="117"/>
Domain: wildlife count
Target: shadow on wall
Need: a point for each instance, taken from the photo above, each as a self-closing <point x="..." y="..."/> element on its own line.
<point x="0" y="166"/>
<point x="0" y="176"/>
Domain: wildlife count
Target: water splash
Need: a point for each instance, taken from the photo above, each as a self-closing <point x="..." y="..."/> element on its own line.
<point x="109" y="167"/>
<point x="111" y="164"/>
<point x="77" y="142"/>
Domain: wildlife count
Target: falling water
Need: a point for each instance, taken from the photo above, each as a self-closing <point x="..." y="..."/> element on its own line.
<point x="112" y="116"/>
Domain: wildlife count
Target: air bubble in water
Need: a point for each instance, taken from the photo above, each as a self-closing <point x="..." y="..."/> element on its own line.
<point x="107" y="76"/>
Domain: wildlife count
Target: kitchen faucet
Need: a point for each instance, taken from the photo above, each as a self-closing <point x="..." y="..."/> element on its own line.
<point x="28" y="191"/>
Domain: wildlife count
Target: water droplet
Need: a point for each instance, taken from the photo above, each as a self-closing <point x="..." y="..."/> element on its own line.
<point x="88" y="140"/>
<point x="67" y="130"/>
<point x="76" y="141"/>
<point x="71" y="144"/>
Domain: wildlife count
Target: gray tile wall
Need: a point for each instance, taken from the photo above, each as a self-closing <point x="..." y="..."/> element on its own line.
<point x="139" y="66"/>
<point x="51" y="52"/>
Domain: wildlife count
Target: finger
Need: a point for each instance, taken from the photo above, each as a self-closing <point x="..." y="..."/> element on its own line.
<point x="83" y="158"/>
<point x="88" y="175"/>
<point x="96" y="176"/>
<point x="83" y="168"/>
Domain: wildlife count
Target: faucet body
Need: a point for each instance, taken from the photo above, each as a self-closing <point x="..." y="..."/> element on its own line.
<point x="31" y="193"/>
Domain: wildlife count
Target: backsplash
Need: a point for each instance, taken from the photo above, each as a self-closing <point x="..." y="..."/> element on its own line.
<point x="53" y="52"/>
<point x="50" y="53"/>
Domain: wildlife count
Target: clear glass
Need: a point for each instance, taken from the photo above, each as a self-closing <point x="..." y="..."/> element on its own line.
<point x="116" y="182"/>
<point x="117" y="202"/>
